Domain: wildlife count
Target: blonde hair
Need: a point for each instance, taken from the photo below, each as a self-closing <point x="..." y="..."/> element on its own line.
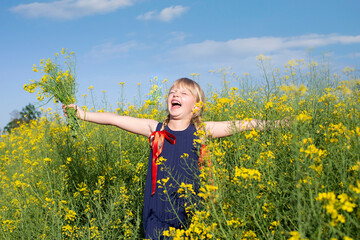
<point x="199" y="95"/>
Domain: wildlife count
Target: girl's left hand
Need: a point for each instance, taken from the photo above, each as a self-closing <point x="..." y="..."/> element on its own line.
<point x="287" y="121"/>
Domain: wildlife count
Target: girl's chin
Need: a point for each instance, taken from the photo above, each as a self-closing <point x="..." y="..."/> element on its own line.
<point x="174" y="109"/>
<point x="175" y="112"/>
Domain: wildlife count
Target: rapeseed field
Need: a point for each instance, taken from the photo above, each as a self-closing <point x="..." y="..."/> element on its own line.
<point x="295" y="182"/>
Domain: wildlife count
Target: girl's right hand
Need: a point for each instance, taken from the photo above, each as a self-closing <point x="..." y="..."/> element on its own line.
<point x="79" y="111"/>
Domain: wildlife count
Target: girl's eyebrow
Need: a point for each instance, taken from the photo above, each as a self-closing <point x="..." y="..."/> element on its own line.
<point x="174" y="89"/>
<point x="188" y="91"/>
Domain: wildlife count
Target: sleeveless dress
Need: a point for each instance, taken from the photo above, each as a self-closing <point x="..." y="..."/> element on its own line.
<point x="164" y="210"/>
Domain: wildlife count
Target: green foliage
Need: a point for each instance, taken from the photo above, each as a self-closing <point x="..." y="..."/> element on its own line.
<point x="294" y="182"/>
<point x="27" y="114"/>
<point x="57" y="83"/>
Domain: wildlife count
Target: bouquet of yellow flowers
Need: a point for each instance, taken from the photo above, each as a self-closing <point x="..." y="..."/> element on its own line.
<point x="57" y="84"/>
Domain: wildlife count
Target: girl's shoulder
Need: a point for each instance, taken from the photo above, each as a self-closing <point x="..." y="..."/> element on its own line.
<point x="158" y="126"/>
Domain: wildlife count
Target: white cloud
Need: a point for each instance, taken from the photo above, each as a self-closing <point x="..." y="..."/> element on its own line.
<point x="147" y="16"/>
<point x="243" y="47"/>
<point x="110" y="50"/>
<point x="241" y="53"/>
<point x="176" y="37"/>
<point x="69" y="9"/>
<point x="166" y="15"/>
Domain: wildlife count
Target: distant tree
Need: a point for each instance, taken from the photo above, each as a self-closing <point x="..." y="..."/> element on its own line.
<point x="27" y="114"/>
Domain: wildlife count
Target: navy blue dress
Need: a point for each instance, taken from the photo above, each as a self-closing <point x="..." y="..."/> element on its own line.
<point x="164" y="210"/>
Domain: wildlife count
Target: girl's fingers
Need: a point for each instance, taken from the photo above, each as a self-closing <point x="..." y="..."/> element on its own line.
<point x="77" y="109"/>
<point x="64" y="110"/>
<point x="64" y="107"/>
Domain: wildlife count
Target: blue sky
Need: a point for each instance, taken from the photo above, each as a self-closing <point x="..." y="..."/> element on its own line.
<point x="133" y="41"/>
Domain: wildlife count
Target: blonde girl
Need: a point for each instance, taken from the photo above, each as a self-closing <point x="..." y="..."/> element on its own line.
<point x="172" y="140"/>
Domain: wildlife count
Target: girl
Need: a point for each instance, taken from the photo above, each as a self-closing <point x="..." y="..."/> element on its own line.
<point x="173" y="142"/>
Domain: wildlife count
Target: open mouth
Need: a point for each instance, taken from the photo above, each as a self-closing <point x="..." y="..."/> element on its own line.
<point x="175" y="104"/>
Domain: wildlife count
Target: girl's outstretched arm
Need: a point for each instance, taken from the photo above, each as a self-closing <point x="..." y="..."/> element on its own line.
<point x="227" y="128"/>
<point x="135" y="125"/>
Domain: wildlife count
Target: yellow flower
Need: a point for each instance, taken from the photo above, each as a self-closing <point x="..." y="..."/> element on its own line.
<point x="160" y="160"/>
<point x="356" y="188"/>
<point x="303" y="116"/>
<point x="35" y="68"/>
<point x="294" y="235"/>
<point x="253" y="134"/>
<point x="70" y="215"/>
<point x="348" y="206"/>
<point x="260" y="57"/>
<point x="246" y="173"/>
<point x="269" y="105"/>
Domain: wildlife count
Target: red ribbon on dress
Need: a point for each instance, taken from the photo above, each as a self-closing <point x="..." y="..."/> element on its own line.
<point x="154" y="143"/>
<point x="204" y="155"/>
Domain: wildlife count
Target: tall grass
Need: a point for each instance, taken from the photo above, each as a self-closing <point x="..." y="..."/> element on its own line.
<point x="294" y="182"/>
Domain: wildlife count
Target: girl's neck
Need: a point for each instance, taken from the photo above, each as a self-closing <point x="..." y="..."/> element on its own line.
<point x="178" y="125"/>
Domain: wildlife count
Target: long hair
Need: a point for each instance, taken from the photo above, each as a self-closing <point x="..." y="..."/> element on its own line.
<point x="199" y="95"/>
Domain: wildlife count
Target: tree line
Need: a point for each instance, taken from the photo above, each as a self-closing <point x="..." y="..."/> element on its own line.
<point x="27" y="114"/>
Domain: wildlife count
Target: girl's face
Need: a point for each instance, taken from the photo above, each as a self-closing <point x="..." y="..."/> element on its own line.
<point x="180" y="103"/>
